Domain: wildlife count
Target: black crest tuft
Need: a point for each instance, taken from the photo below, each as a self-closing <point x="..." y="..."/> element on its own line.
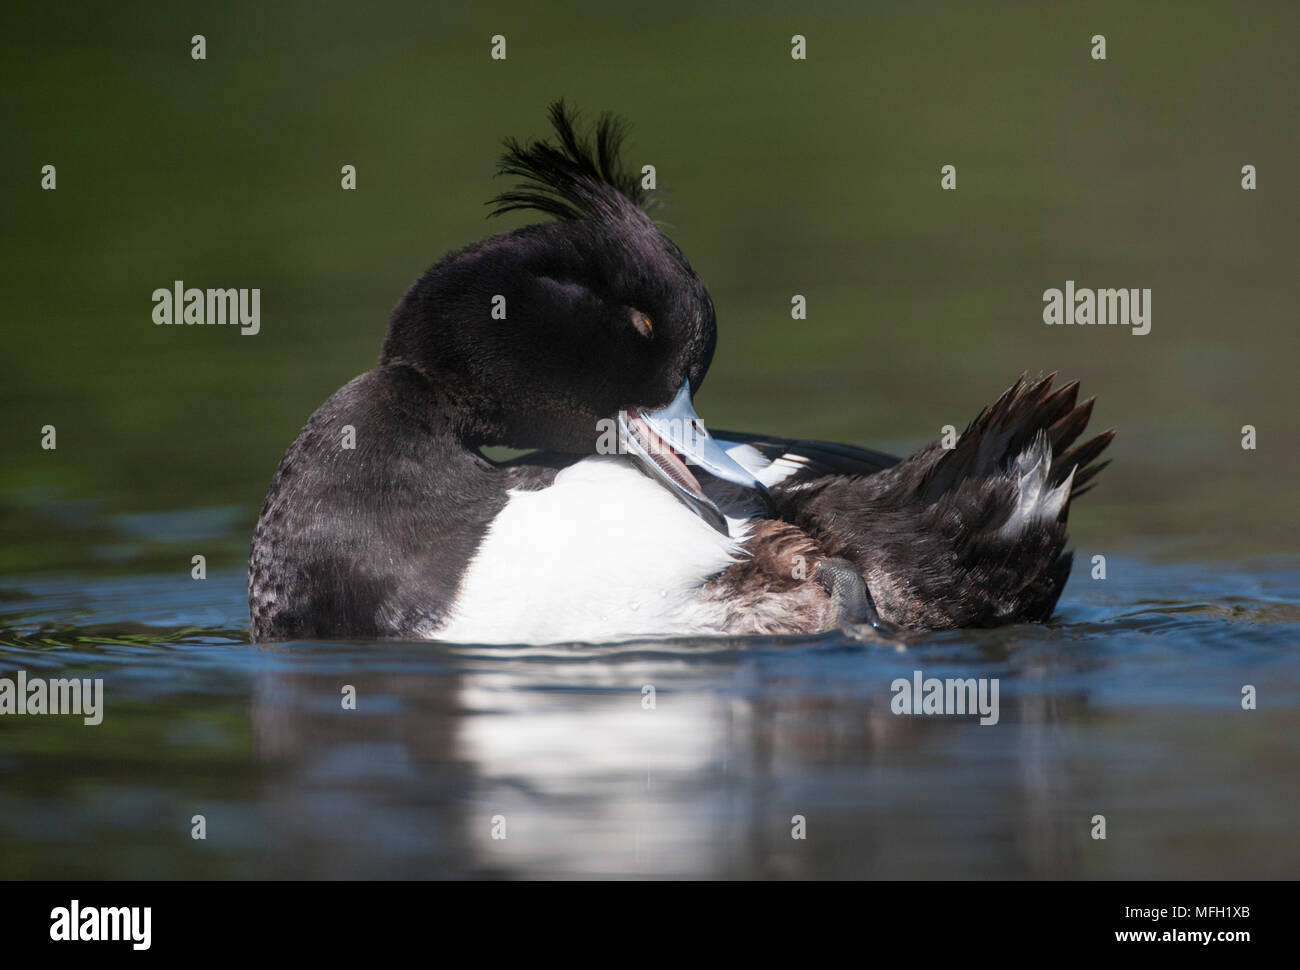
<point x="574" y="180"/>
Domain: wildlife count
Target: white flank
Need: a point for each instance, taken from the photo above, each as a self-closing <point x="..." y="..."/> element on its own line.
<point x="603" y="553"/>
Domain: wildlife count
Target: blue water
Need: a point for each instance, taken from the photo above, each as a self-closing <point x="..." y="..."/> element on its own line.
<point x="1128" y="705"/>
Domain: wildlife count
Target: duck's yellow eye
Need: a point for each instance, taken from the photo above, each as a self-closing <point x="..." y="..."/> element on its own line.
<point x="642" y="323"/>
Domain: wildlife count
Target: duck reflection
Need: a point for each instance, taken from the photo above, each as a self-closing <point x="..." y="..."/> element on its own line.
<point x="650" y="760"/>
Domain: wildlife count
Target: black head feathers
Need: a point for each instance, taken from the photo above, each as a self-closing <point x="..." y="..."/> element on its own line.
<point x="576" y="179"/>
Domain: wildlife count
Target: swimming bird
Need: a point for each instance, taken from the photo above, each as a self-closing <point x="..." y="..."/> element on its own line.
<point x="585" y="339"/>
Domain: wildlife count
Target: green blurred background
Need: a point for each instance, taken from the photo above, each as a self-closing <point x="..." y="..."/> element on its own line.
<point x="817" y="177"/>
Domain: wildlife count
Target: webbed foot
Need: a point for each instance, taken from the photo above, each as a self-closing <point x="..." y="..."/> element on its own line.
<point x="851" y="602"/>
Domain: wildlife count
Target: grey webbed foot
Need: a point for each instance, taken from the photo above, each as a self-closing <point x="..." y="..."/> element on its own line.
<point x="851" y="602"/>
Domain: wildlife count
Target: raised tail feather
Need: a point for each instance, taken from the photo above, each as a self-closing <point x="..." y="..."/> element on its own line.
<point x="973" y="535"/>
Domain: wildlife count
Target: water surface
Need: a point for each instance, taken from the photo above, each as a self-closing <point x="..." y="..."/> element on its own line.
<point x="1127" y="705"/>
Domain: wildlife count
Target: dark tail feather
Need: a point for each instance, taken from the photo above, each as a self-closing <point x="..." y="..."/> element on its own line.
<point x="1081" y="459"/>
<point x="970" y="536"/>
<point x="1003" y="431"/>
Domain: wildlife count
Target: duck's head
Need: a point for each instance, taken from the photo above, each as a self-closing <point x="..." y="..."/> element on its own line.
<point x="581" y="335"/>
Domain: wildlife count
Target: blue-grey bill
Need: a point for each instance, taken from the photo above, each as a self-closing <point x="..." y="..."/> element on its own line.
<point x="663" y="441"/>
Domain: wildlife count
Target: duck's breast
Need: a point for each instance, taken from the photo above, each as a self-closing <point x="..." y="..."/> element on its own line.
<point x="602" y="553"/>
